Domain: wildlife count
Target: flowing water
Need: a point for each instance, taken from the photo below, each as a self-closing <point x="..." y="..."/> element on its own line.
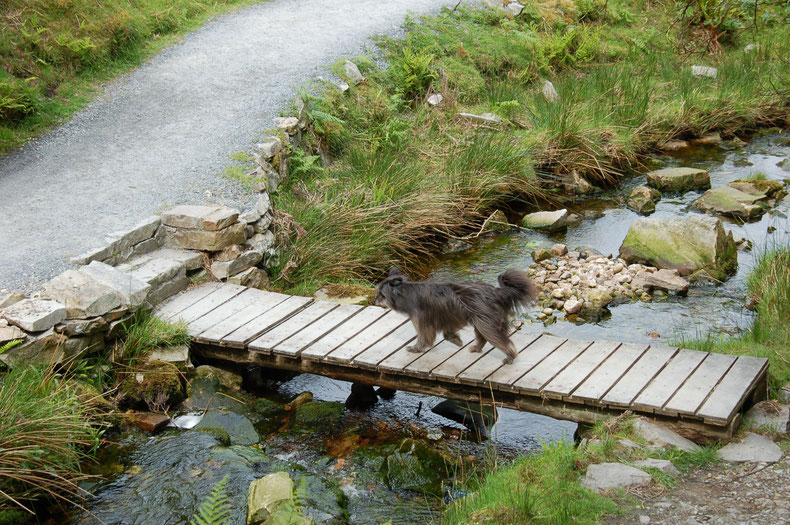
<point x="340" y="467"/>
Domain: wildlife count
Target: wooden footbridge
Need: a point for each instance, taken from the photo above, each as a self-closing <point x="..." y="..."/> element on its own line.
<point x="701" y="394"/>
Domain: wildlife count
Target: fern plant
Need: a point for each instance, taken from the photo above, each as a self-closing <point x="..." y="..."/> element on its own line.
<point x="215" y="509"/>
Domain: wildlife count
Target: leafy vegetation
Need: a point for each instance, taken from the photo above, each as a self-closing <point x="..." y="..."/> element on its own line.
<point x="404" y="176"/>
<point x="47" y="427"/>
<point x="215" y="509"/>
<point x="53" y="52"/>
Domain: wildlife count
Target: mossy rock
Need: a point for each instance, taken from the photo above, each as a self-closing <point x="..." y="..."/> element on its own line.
<point x="696" y="245"/>
<point x="239" y="429"/>
<point x="154" y="385"/>
<point x="220" y="434"/>
<point x="266" y="415"/>
<point x="321" y="499"/>
<point x="679" y="180"/>
<point x="759" y="187"/>
<point x="415" y="466"/>
<point x="731" y="202"/>
<point x="318" y="415"/>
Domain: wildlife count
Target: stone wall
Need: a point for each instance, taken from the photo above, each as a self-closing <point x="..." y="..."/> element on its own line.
<point x="84" y="308"/>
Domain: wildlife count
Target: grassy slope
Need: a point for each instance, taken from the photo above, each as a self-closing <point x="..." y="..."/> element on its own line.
<point x="54" y="53"/>
<point x="406" y="175"/>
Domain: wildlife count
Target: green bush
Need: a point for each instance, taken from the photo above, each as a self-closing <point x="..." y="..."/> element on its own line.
<point x="412" y="73"/>
<point x="18" y="98"/>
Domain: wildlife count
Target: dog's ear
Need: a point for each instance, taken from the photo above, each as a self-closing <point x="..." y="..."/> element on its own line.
<point x="394" y="271"/>
<point x="394" y="281"/>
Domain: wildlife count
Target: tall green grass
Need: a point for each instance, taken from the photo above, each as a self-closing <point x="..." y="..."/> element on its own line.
<point x="53" y="52"/>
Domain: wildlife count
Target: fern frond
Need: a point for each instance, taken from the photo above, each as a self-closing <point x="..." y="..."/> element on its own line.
<point x="215" y="509"/>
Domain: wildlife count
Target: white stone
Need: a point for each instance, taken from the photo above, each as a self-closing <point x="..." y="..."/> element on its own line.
<point x="604" y="476"/>
<point x="546" y="220"/>
<point x="198" y="217"/>
<point x="131" y="290"/>
<point x="660" y="435"/>
<point x="81" y="295"/>
<point x="261" y="241"/>
<point x="170" y="354"/>
<point x="353" y="74"/>
<point x="270" y="146"/>
<point x="550" y="92"/>
<point x="35" y="315"/>
<point x="754" y="447"/>
<point x="155" y="271"/>
<point x="662" y="465"/>
<point x="704" y="71"/>
<point x="435" y="99"/>
<point x="287" y="124"/>
<point x="514" y="8"/>
<point x="750" y="48"/>
<point x="485" y="118"/>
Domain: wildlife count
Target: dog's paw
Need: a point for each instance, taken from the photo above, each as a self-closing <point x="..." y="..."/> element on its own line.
<point x="475" y="349"/>
<point x="413" y="349"/>
<point x="507" y="361"/>
<point x="453" y="338"/>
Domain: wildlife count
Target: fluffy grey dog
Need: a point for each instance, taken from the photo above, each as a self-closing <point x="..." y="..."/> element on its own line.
<point x="447" y="307"/>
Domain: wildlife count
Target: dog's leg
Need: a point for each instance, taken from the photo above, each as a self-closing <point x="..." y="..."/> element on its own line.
<point x="480" y="340"/>
<point x="426" y="335"/>
<point x="497" y="336"/>
<point x="453" y="338"/>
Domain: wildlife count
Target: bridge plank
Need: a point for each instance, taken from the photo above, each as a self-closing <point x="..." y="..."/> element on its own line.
<point x="215" y="334"/>
<point x="492" y="360"/>
<point x="664" y="385"/>
<point x="180" y="302"/>
<point x="266" y="319"/>
<point x="608" y="374"/>
<point x="344" y="353"/>
<point x="210" y="302"/>
<point x="238" y="303"/>
<point x="506" y="375"/>
<point x="547" y="369"/>
<point x="637" y="378"/>
<point x="345" y="331"/>
<point x="460" y="361"/>
<point x="728" y="396"/>
<point x="303" y="325"/>
<point x="404" y="335"/>
<point x="575" y="374"/>
<point x="441" y="353"/>
<point x="295" y="344"/>
<point x="701" y="383"/>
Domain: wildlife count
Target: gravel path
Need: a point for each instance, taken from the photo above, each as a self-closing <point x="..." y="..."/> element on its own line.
<point x="162" y="134"/>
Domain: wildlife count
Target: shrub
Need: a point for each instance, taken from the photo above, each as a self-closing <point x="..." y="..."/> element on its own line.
<point x="412" y="72"/>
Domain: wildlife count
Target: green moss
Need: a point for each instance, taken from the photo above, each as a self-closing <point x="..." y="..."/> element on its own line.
<point x="220" y="434"/>
<point x="155" y="385"/>
<point x="415" y="466"/>
<point x="318" y="415"/>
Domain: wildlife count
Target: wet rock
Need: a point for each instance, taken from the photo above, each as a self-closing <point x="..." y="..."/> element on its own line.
<point x="80" y="294"/>
<point x="149" y="422"/>
<point x="270" y="501"/>
<point x="541" y="254"/>
<point x="596" y="298"/>
<point x="320" y="499"/>
<point x="474" y="416"/>
<point x="226" y="378"/>
<point x="238" y="427"/>
<point x="673" y="145"/>
<point x="550" y="92"/>
<point x="386" y="393"/>
<point x="559" y="249"/>
<point x="546" y="220"/>
<point x="784" y="164"/>
<point x="498" y="223"/>
<point x="362" y="397"/>
<point x="605" y="476"/>
<point x="743" y="244"/>
<point x="729" y="201"/>
<point x="456" y="246"/>
<point x="679" y="180"/>
<point x="352" y="72"/>
<point x="572" y="306"/>
<point x="770" y="415"/>
<point x="209" y="218"/>
<point x="35" y="315"/>
<point x="643" y="199"/>
<point x="315" y="415"/>
<point x="299" y="400"/>
<point x="668" y="280"/>
<point x="708" y="139"/>
<point x="754" y="447"/>
<point x="662" y="465"/>
<point x="758" y="187"/>
<point x="415" y="466"/>
<point x="689" y="244"/>
<point x="658" y="434"/>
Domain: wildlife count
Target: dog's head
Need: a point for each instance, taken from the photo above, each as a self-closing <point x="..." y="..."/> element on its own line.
<point x="388" y="290"/>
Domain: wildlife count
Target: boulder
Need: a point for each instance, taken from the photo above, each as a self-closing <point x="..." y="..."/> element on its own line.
<point x="415" y="466"/>
<point x="270" y="500"/>
<point x="81" y="295"/>
<point x="679" y="180"/>
<point x="352" y="72"/>
<point x="541" y="254"/>
<point x="559" y="249"/>
<point x="688" y="244"/>
<point x="546" y="220"/>
<point x="729" y="201"/>
<point x="643" y="199"/>
<point x="131" y="290"/>
<point x="362" y="397"/>
<point x="270" y="146"/>
<point x="668" y="280"/>
<point x="197" y="217"/>
<point x="771" y="415"/>
<point x="226" y="378"/>
<point x="205" y="240"/>
<point x="148" y="421"/>
<point x="605" y="476"/>
<point x="759" y="187"/>
<point x="550" y="92"/>
<point x="754" y="447"/>
<point x="239" y="429"/>
<point x="317" y="415"/>
<point x="597" y="298"/>
<point x="662" y="436"/>
<point x="35" y="315"/>
<point x="476" y="417"/>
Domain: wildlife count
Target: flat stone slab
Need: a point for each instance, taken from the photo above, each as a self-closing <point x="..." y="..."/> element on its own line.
<point x="668" y="280"/>
<point x="546" y="220"/>
<point x="82" y="296"/>
<point x="485" y="118"/>
<point x="10" y="333"/>
<point x="223" y="270"/>
<point x="190" y="259"/>
<point x="170" y="354"/>
<point x="153" y="271"/>
<point x="198" y="217"/>
<point x="205" y="240"/>
<point x="605" y="476"/>
<point x="679" y="179"/>
<point x="770" y="414"/>
<point x="661" y="435"/>
<point x="138" y="233"/>
<point x="731" y="202"/>
<point x="267" y="494"/>
<point x="129" y="288"/>
<point x="662" y="465"/>
<point x="753" y="448"/>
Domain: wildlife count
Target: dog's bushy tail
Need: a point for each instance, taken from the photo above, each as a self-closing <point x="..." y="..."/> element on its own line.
<point x="516" y="290"/>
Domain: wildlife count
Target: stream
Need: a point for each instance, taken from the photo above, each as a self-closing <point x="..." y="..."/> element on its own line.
<point x="351" y="466"/>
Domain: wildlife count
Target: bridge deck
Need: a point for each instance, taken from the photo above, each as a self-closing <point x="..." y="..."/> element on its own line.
<point x="565" y="378"/>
